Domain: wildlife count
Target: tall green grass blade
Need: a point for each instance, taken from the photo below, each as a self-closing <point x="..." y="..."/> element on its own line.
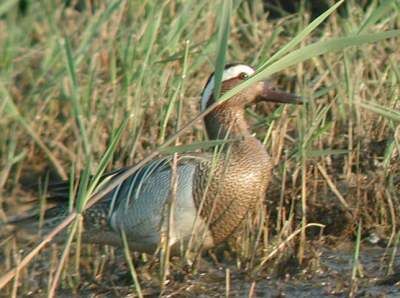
<point x="396" y="68"/>
<point x="377" y="13"/>
<point x="71" y="189"/>
<point x="63" y="258"/>
<point x="76" y="105"/>
<point x="222" y="44"/>
<point x="8" y="107"/>
<point x="168" y="113"/>
<point x="380" y="110"/>
<point x="130" y="264"/>
<point x="92" y="29"/>
<point x="71" y="66"/>
<point x="194" y="146"/>
<point x="356" y="258"/>
<point x="149" y="39"/>
<point x="87" y="183"/>
<point x="391" y="267"/>
<point x="106" y="158"/>
<point x="387" y="158"/>
<point x="178" y="94"/>
<point x="325" y="152"/>
<point x="185" y="69"/>
<point x="308" y="52"/>
<point x="84" y="182"/>
<point x="300" y="37"/>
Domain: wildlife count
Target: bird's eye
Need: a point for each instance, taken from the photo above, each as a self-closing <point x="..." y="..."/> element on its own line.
<point x="243" y="76"/>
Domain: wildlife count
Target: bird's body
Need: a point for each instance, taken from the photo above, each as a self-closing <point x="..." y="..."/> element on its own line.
<point x="214" y="193"/>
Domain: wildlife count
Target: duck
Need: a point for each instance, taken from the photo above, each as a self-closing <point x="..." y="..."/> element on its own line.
<point x="214" y="192"/>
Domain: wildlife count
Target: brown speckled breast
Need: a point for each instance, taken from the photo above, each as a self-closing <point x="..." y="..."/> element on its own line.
<point x="239" y="180"/>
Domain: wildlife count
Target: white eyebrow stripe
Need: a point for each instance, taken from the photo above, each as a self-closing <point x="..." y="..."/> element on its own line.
<point x="228" y="74"/>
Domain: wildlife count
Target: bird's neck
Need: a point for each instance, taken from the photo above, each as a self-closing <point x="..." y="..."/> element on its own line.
<point x="226" y="122"/>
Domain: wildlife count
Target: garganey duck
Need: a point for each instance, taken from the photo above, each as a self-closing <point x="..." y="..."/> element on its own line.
<point x="213" y="194"/>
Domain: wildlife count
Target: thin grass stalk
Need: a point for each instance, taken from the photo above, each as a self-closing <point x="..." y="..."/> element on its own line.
<point x="84" y="184"/>
<point x="168" y="222"/>
<point x="183" y="80"/>
<point x="349" y="94"/>
<point x="380" y="110"/>
<point x="305" y="136"/>
<point x="266" y="229"/>
<point x="333" y="188"/>
<point x="392" y="260"/>
<point x="16" y="280"/>
<point x="392" y="216"/>
<point x="252" y="290"/>
<point x="257" y="240"/>
<point x="63" y="258"/>
<point x="168" y="113"/>
<point x="303" y="208"/>
<point x="280" y="138"/>
<point x="77" y="109"/>
<point x="178" y="94"/>
<point x="132" y="269"/>
<point x="244" y="246"/>
<point x="222" y="44"/>
<point x="148" y="43"/>
<point x="356" y="262"/>
<point x="9" y="160"/>
<point x="53" y="262"/>
<point x="282" y="194"/>
<point x="87" y="191"/>
<point x="390" y="150"/>
<point x="281" y="245"/>
<point x="227" y="282"/>
<point x="196" y="145"/>
<point x="376" y="15"/>
<point x="78" y="246"/>
<point x="42" y="202"/>
<point x="71" y="189"/>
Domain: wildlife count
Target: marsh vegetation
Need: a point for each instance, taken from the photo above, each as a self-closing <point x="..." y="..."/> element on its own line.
<point x="87" y="90"/>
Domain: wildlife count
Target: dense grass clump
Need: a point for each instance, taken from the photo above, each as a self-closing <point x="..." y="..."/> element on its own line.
<point x="90" y="86"/>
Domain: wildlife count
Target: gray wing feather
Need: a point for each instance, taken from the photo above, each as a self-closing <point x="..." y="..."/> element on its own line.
<point x="137" y="205"/>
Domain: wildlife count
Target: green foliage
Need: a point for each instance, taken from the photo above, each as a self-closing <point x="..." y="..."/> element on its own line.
<point x="90" y="90"/>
